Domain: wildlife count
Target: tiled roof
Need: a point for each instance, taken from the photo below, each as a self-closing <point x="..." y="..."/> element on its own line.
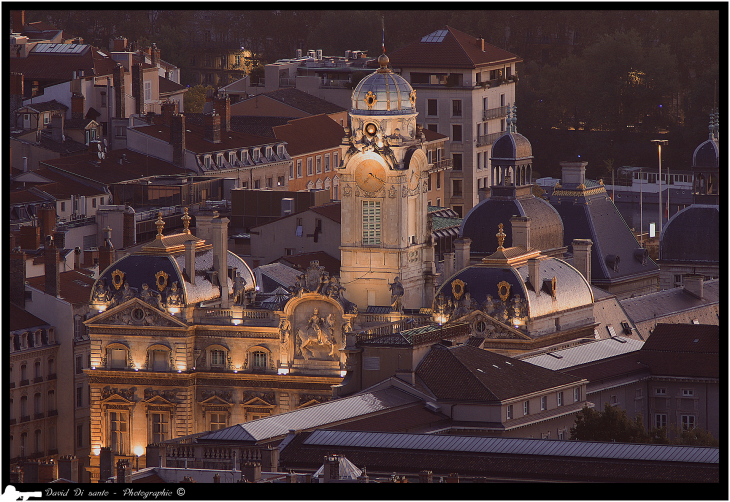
<point x="195" y="138"/>
<point x="68" y="147"/>
<point x="696" y="338"/>
<point x="60" y="67"/>
<point x="310" y="134"/>
<point x="277" y="273"/>
<point x="167" y="86"/>
<point x="75" y="287"/>
<point x="331" y="210"/>
<point x="669" y="301"/>
<point x="455" y="50"/>
<point x="19" y="319"/>
<point x="26" y="197"/>
<point x="64" y="189"/>
<point x="303" y="101"/>
<point x="47" y="106"/>
<point x="410" y="418"/>
<point x="110" y="170"/>
<point x="466" y="373"/>
<point x="249" y="124"/>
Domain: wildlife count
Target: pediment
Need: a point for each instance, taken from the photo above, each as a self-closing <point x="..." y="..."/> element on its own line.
<point x="159" y="401"/>
<point x="115" y="398"/>
<point x="491" y="327"/>
<point x="257" y="401"/>
<point x="215" y="401"/>
<point x="135" y="312"/>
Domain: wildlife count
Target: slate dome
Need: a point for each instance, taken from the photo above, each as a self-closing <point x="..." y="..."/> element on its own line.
<point x="707" y="154"/>
<point x="693" y="234"/>
<point x="383" y="93"/>
<point x="511" y="146"/>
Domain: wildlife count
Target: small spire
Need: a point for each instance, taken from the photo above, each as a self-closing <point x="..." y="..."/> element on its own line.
<point x="186" y="221"/>
<point x="514" y="117"/>
<point x="159" y="224"/>
<point x="500" y="237"/>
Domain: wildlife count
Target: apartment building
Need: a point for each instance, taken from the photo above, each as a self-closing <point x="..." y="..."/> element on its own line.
<point x="464" y="87"/>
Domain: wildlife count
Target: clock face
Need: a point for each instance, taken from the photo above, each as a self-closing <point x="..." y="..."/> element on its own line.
<point x="413" y="178"/>
<point x="370" y="175"/>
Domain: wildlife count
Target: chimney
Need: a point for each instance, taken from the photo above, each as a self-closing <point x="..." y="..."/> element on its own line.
<point x="106" y="251"/>
<point x="106" y="464"/>
<point x="169" y="109"/>
<point x="30" y="237"/>
<point x="77" y="258"/>
<point x="425" y="477"/>
<point x="220" y="255"/>
<point x="155" y="55"/>
<point x="50" y="259"/>
<point x="68" y="468"/>
<point x="331" y="468"/>
<point x="18" y="21"/>
<point x="124" y="473"/>
<point x="520" y="231"/>
<point x="119" y="100"/>
<point x="177" y="139"/>
<point x="47" y="221"/>
<point x="25" y="164"/>
<point x="119" y="44"/>
<point x="78" y="104"/>
<point x="60" y="238"/>
<point x="17" y="278"/>
<point x="453" y="477"/>
<point x="222" y="106"/>
<point x="138" y="89"/>
<point x="693" y="284"/>
<point x="212" y="127"/>
<point x="190" y="260"/>
<point x="480" y="43"/>
<point x="156" y="455"/>
<point x="251" y="471"/>
<point x="57" y="128"/>
<point x="448" y="265"/>
<point x="462" y="249"/>
<point x="573" y="174"/>
<point x="533" y="271"/>
<point x="582" y="257"/>
<point x="217" y="478"/>
<point x="203" y="225"/>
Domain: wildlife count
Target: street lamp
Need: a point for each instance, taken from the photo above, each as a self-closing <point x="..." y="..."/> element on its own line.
<point x="139" y="451"/>
<point x="659" y="143"/>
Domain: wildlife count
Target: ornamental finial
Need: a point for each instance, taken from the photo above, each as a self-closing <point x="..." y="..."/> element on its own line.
<point x="159" y="224"/>
<point x="500" y="237"/>
<point x="186" y="221"/>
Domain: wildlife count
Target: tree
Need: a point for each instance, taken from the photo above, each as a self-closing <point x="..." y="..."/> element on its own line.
<point x="694" y="437"/>
<point x="611" y="425"/>
<point x="194" y="99"/>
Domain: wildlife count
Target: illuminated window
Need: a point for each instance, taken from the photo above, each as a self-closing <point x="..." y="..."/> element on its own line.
<point x="218" y="421"/>
<point x="160" y="423"/>
<point x="259" y="359"/>
<point x="119" y="432"/>
<point x="217" y="357"/>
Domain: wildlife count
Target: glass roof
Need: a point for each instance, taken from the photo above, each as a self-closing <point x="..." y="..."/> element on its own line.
<point x="436" y="36"/>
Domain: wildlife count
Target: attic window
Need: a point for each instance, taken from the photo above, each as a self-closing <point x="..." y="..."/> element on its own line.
<point x="695" y="321"/>
<point x="495" y="366"/>
<point x="435" y="37"/>
<point x="695" y="340"/>
<point x="481" y="370"/>
<point x="556" y="356"/>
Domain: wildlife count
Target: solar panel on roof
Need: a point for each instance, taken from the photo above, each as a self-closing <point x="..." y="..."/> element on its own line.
<point x="435" y="37"/>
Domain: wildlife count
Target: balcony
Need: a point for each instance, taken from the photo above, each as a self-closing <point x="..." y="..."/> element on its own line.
<point x="441" y="165"/>
<point x="52" y="413"/>
<point x="52" y="376"/>
<point x="38" y="379"/>
<point x="24" y="382"/>
<point x="489" y="138"/>
<point x="13" y="421"/>
<point x="24" y="419"/>
<point x="39" y="416"/>
<point x="495" y="113"/>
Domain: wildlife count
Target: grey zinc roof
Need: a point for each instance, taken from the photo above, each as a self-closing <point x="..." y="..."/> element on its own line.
<point x="539" y="447"/>
<point x="313" y="416"/>
<point x="585" y="353"/>
<point x="203" y="288"/>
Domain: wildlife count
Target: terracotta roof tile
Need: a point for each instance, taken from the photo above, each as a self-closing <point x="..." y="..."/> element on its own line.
<point x="310" y="134"/>
<point x="22" y="319"/>
<point x="60" y="67"/>
<point x="303" y="101"/>
<point x="75" y="287"/>
<point x="455" y="50"/>
<point x="195" y="138"/>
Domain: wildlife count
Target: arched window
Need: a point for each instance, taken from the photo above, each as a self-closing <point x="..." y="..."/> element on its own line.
<point x="37" y="404"/>
<point x="51" y="402"/>
<point x="259" y="359"/>
<point x="158" y="358"/>
<point x="217" y="357"/>
<point x="116" y="356"/>
<point x="24" y="408"/>
<point x="37" y="444"/>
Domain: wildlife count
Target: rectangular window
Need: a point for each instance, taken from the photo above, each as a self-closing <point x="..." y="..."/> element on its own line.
<point x="510" y="413"/>
<point x="217" y="421"/>
<point x="79" y="397"/>
<point x="456" y="188"/>
<point x="526" y="408"/>
<point x="79" y="364"/>
<point x="160" y="427"/>
<point x="459" y="210"/>
<point x="80" y="436"/>
<point x="217" y="357"/>
<point x="479" y="160"/>
<point x="46" y="119"/>
<point x="291" y="171"/>
<point x="660" y="391"/>
<point x="455" y="132"/>
<point x="371" y="223"/>
<point x="319" y="164"/>
<point x="543" y="403"/>
<point x="576" y="394"/>
<point x="688" y="422"/>
<point x="327" y="163"/>
<point x="561" y="435"/>
<point x="560" y="399"/>
<point x="432" y="127"/>
<point x="257" y="184"/>
<point x="485" y="104"/>
<point x="432" y="107"/>
<point x="299" y="168"/>
<point x="438" y="183"/>
<point x="688" y="392"/>
<point x="269" y="182"/>
<point x="501" y="100"/>
<point x="147" y="91"/>
<point x="63" y="207"/>
<point x="117" y="358"/>
<point x="309" y="166"/>
<point x="429" y="183"/>
<point x="259" y="359"/>
<point x="280" y="181"/>
<point x="335" y="160"/>
<point x="93" y="202"/>
<point x="160" y="360"/>
<point x="660" y="420"/>
<point x="456" y="108"/>
<point x="456" y="161"/>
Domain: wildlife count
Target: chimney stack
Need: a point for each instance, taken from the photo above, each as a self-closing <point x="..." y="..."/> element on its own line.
<point x="50" y="259"/>
<point x="47" y="220"/>
<point x="25" y="164"/>
<point x="155" y="55"/>
<point x="480" y="43"/>
<point x="17" y="278"/>
<point x="169" y="109"/>
<point x="425" y="477"/>
<point x="177" y="138"/>
<point x="68" y="468"/>
<point x="119" y="99"/>
<point x="694" y="285"/>
<point x="190" y="260"/>
<point x="124" y="473"/>
<point x="462" y="248"/>
<point x="138" y="89"/>
<point x="220" y="255"/>
<point x="77" y="258"/>
<point x="106" y="464"/>
<point x="251" y="471"/>
<point x="520" y="231"/>
<point x="582" y="257"/>
<point x="30" y="237"/>
<point x="18" y="21"/>
<point x="533" y="271"/>
<point x="212" y="127"/>
<point x="222" y="106"/>
<point x="57" y="128"/>
<point x="448" y="265"/>
<point x="106" y="251"/>
<point x="573" y="174"/>
<point x="78" y="104"/>
<point x="331" y="468"/>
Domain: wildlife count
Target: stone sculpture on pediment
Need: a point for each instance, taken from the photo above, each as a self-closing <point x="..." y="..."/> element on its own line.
<point x="285" y="331"/>
<point x="127" y="394"/>
<point x="101" y="292"/>
<point x="151" y="297"/>
<point x="169" y="395"/>
<point x="268" y="397"/>
<point x="396" y="295"/>
<point x="317" y="333"/>
<point x="174" y="296"/>
<point x="225" y="395"/>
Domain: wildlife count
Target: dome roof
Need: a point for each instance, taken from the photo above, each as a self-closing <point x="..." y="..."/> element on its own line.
<point x="383" y="93"/>
<point x="480" y="224"/>
<point x="572" y="290"/>
<point x="706" y="155"/>
<point x="512" y="146"/>
<point x="693" y="235"/>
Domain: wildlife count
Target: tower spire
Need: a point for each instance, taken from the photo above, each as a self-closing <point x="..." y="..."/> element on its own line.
<point x="382" y="19"/>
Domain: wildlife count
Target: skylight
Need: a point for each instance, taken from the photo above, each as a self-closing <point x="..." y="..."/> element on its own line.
<point x="435" y="37"/>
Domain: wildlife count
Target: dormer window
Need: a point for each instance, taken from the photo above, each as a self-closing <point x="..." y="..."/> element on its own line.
<point x="280" y="151"/>
<point x="269" y="153"/>
<point x="231" y="157"/>
<point x="206" y="161"/>
<point x="256" y="154"/>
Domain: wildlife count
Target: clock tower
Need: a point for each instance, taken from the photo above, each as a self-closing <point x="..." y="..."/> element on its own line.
<point x="383" y="190"/>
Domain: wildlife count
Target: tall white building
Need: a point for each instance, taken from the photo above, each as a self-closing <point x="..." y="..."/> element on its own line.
<point x="464" y="88"/>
